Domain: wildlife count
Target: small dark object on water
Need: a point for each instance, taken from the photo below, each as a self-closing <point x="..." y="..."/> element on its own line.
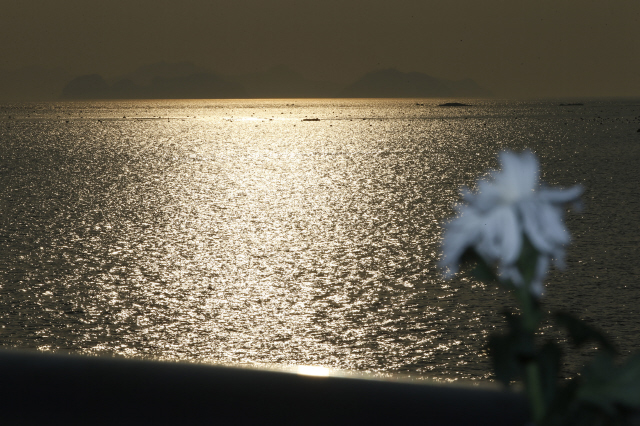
<point x="310" y="119"/>
<point x="453" y="104"/>
<point x="574" y="104"/>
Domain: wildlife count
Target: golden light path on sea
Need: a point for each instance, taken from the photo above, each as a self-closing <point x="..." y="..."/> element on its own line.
<point x="258" y="238"/>
<point x="234" y="232"/>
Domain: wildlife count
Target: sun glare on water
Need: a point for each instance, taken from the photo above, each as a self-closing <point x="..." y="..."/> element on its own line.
<point x="311" y="370"/>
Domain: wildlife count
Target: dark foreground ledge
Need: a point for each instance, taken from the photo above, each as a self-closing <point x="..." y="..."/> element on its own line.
<point x="46" y="389"/>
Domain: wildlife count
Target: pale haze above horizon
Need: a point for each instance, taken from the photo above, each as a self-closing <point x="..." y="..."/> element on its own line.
<point x="512" y="48"/>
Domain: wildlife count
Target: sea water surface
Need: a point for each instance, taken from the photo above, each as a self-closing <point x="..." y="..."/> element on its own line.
<point x="237" y="232"/>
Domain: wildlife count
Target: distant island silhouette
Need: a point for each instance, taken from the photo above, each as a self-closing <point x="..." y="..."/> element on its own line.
<point x="391" y="83"/>
<point x="157" y="81"/>
<point x="184" y="80"/>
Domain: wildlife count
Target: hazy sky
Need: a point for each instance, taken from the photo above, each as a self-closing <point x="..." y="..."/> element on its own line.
<point x="513" y="47"/>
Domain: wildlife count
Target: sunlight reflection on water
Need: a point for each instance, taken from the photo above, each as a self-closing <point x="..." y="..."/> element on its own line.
<point x="234" y="232"/>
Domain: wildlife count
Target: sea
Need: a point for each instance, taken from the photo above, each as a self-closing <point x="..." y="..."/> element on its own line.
<point x="297" y="232"/>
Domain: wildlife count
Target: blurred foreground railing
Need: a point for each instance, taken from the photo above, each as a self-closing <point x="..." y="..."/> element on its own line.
<point x="37" y="388"/>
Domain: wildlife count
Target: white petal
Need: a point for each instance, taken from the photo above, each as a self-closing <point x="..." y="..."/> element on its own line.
<point x="551" y="220"/>
<point x="558" y="259"/>
<point x="542" y="266"/>
<point x="489" y="195"/>
<point x="460" y="234"/>
<point x="528" y="172"/>
<point x="501" y="238"/>
<point x="507" y="204"/>
<point x="561" y="196"/>
<point x="467" y="195"/>
<point x="533" y="227"/>
<point x="520" y="173"/>
<point x="544" y="226"/>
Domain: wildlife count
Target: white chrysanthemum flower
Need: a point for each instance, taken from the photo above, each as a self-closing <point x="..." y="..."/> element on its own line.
<point x="507" y="207"/>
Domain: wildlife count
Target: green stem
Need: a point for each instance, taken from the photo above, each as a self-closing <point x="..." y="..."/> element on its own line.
<point x="534" y="390"/>
<point x="531" y="316"/>
<point x="530" y="312"/>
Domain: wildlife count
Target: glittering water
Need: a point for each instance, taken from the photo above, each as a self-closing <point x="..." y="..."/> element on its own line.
<point x="235" y="232"/>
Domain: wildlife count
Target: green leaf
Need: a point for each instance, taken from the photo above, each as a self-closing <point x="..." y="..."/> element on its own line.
<point x="518" y="325"/>
<point x="608" y="386"/>
<point x="580" y="332"/>
<point x="559" y="411"/>
<point x="511" y="351"/>
<point x="503" y="349"/>
<point x="548" y="359"/>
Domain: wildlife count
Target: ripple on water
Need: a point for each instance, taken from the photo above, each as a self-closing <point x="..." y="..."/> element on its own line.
<point x="234" y="232"/>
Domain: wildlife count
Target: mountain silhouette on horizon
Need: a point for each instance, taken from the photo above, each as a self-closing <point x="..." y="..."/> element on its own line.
<point x="391" y="83"/>
<point x="156" y="81"/>
<point x="184" y="80"/>
<point x="145" y="74"/>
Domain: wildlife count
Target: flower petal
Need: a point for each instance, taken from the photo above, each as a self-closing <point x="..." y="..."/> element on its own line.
<point x="507" y="205"/>
<point x="510" y="273"/>
<point x="460" y="234"/>
<point x="560" y="195"/>
<point x="543" y="224"/>
<point x="501" y="237"/>
<point x="542" y="266"/>
<point x="520" y="170"/>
